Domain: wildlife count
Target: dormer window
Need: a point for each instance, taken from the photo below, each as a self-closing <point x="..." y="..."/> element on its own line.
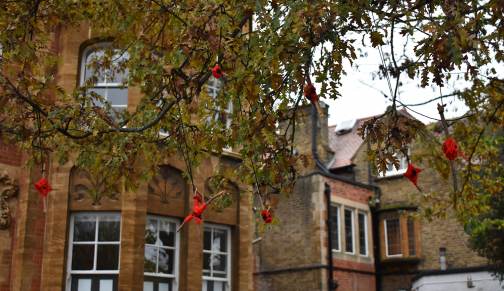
<point x="345" y="126"/>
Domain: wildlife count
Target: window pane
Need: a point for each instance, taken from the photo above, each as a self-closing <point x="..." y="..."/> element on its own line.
<point x="109" y="228"/>
<point x="206" y="263"/>
<point x="163" y="287"/>
<point x="219" y="240"/>
<point x="117" y="96"/>
<point x="166" y="258"/>
<point x="214" y="285"/>
<point x="349" y="231"/>
<point x="99" y="91"/>
<point x="335" y="227"/>
<point x="150" y="259"/>
<point x="362" y="234"/>
<point x="219" y="264"/>
<point x="151" y="231"/>
<point x="148" y="286"/>
<point x="166" y="234"/>
<point x="207" y="239"/>
<point x="117" y="77"/>
<point x="411" y="237"/>
<point x="84" y="285"/>
<point x="106" y="285"/>
<point x="84" y="228"/>
<point x="393" y="236"/>
<point x="82" y="257"/>
<point x="107" y="257"/>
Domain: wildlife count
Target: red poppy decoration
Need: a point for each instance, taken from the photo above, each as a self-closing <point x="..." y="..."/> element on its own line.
<point x="266" y="216"/>
<point x="451" y="150"/>
<point x="197" y="210"/>
<point x="43" y="186"/>
<point x="217" y="71"/>
<point x="412" y="173"/>
<point x="310" y="93"/>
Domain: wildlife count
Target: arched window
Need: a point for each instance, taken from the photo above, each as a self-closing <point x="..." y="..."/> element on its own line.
<point x="109" y="80"/>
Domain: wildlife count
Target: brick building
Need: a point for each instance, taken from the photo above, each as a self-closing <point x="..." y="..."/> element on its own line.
<point x="408" y="253"/>
<point x="76" y="241"/>
<point x="296" y="255"/>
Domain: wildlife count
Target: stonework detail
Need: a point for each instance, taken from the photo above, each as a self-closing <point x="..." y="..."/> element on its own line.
<point x="167" y="184"/>
<point x="8" y="189"/>
<point x="82" y="184"/>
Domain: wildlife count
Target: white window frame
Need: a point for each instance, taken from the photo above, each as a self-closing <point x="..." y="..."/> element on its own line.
<point x="100" y="85"/>
<point x="365" y="232"/>
<point x="176" y="268"/>
<point x="386" y="238"/>
<point x="339" y="228"/>
<point x="228" y="254"/>
<point x="70" y="272"/>
<point x="353" y="229"/>
<point x="403" y="166"/>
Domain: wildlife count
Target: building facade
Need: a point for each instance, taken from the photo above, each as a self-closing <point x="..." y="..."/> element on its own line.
<point x="410" y="252"/>
<point x="79" y="240"/>
<point x="295" y="254"/>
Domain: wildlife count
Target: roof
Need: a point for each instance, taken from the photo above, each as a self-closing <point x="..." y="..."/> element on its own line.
<point x="345" y="146"/>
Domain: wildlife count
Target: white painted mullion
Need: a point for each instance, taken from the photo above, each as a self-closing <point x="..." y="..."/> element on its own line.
<point x="157" y="247"/>
<point x="96" y="243"/>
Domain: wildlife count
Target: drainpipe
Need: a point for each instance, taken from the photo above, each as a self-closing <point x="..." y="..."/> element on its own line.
<point x="376" y="226"/>
<point x="331" y="284"/>
<point x="314" y="140"/>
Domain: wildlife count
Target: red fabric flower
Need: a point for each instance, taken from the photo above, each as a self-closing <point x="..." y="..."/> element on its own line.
<point x="450" y="149"/>
<point x="197" y="210"/>
<point x="217" y="71"/>
<point x="266" y="216"/>
<point x="412" y="173"/>
<point x="310" y="93"/>
<point x="43" y="186"/>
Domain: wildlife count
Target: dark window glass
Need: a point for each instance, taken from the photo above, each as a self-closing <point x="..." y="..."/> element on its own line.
<point x="151" y="231"/>
<point x="94" y="282"/>
<point x="393" y="236"/>
<point x="84" y="228"/>
<point x="207" y="239"/>
<point x="109" y="228"/>
<point x="82" y="257"/>
<point x="411" y="237"/>
<point x="362" y="234"/>
<point x="107" y="257"/>
<point x="166" y="261"/>
<point x="335" y="227"/>
<point x="166" y="233"/>
<point x="349" y="231"/>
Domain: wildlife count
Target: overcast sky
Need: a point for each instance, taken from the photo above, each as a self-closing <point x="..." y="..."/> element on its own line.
<point x="359" y="100"/>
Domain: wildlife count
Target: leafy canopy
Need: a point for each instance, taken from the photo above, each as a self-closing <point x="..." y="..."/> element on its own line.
<point x="173" y="44"/>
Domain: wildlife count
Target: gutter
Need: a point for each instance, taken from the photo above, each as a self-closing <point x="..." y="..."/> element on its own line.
<point x="314" y="140"/>
<point x="313" y="267"/>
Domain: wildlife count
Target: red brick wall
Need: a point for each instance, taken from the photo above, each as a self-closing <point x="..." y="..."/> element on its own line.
<point x="349" y="191"/>
<point x="9" y="155"/>
<point x="353" y="281"/>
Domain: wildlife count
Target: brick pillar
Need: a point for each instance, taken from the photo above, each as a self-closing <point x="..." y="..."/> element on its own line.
<point x="244" y="246"/>
<point x="134" y="218"/>
<point x="57" y="218"/>
<point x="193" y="249"/>
<point x="28" y="246"/>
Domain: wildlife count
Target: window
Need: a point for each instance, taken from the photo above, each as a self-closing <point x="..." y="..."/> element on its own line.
<point x="362" y="233"/>
<point x="393" y="237"/>
<point x="161" y="254"/>
<point x="216" y="258"/>
<point x="403" y="166"/>
<point x="335" y="228"/>
<point x="219" y="114"/>
<point x="411" y="238"/>
<point x="108" y="80"/>
<point x="93" y="253"/>
<point x="349" y="236"/>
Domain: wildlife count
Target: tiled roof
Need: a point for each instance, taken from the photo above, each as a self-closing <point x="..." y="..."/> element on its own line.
<point x="345" y="146"/>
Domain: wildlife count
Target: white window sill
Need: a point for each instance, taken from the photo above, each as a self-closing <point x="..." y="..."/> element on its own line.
<point x="391" y="174"/>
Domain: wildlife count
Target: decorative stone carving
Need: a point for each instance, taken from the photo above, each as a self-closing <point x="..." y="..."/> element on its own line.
<point x="83" y="183"/>
<point x="168" y="182"/>
<point x="8" y="189"/>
